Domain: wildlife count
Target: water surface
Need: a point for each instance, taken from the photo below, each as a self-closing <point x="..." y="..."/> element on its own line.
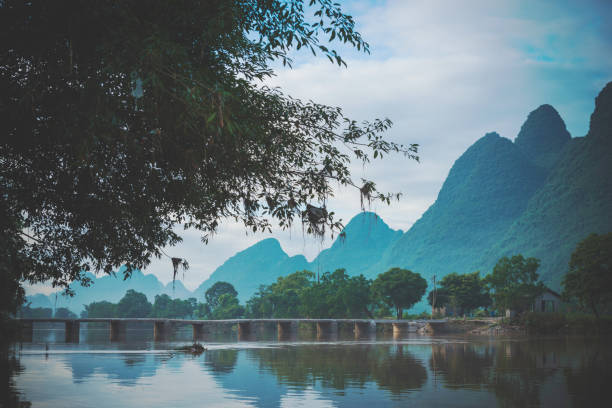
<point x="339" y="372"/>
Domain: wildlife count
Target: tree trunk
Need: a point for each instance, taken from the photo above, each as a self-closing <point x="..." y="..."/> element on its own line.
<point x="398" y="313"/>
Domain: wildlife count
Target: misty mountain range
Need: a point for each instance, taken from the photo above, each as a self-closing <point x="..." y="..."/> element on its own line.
<point x="538" y="195"/>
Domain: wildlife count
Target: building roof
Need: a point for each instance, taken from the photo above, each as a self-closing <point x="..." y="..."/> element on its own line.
<point x="549" y="290"/>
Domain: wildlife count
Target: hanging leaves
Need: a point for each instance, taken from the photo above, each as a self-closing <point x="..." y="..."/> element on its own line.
<point x="176" y="264"/>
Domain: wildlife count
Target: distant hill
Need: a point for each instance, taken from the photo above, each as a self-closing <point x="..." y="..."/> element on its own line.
<point x="368" y="237"/>
<point x="110" y="288"/>
<point x="575" y="201"/>
<point x="259" y="264"/>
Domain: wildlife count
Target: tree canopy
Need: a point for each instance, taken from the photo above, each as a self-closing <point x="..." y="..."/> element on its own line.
<point x="122" y="121"/>
<point x="165" y="306"/>
<point x="101" y="309"/>
<point x="217" y="290"/>
<point x="589" y="279"/>
<point x="335" y="295"/>
<point x="514" y="283"/>
<point x="399" y="288"/>
<point x="462" y="293"/>
<point x="134" y="304"/>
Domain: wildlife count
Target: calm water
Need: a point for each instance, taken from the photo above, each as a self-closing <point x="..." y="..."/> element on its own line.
<point x="377" y="372"/>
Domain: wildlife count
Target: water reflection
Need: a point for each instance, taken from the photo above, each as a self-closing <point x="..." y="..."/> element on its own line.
<point x="221" y="361"/>
<point x="420" y="370"/>
<point x="340" y="367"/>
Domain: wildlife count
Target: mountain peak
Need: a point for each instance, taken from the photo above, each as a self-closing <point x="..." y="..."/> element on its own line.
<point x="365" y="219"/>
<point x="601" y="119"/>
<point x="543" y="136"/>
<point x="268" y="244"/>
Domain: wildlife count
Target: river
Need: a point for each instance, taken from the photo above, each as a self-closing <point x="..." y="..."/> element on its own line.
<point x="379" y="371"/>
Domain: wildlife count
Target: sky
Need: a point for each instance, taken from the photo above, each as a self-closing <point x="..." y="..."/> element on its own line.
<point x="445" y="73"/>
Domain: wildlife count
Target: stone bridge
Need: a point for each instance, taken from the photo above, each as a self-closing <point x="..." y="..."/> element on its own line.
<point x="284" y="327"/>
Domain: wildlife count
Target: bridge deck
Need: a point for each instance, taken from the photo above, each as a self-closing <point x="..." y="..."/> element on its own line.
<point x="224" y="321"/>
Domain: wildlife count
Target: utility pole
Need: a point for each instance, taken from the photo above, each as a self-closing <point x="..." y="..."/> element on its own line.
<point x="433" y="303"/>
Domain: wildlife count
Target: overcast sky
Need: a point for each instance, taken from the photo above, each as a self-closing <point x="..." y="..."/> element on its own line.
<point x="446" y="73"/>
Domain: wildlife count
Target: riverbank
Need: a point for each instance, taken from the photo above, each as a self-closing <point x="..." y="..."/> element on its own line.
<point x="527" y="324"/>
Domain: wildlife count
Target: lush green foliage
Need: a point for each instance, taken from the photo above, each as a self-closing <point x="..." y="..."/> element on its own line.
<point x="228" y="307"/>
<point x="282" y="298"/>
<point x="338" y="295"/>
<point x="35" y="312"/>
<point x="399" y="288"/>
<point x="134" y="304"/>
<point x="335" y="295"/>
<point x="64" y="313"/>
<point x="589" y="279"/>
<point x="100" y="309"/>
<point x="122" y="120"/>
<point x="214" y="293"/>
<point x="514" y="283"/>
<point x="165" y="306"/>
<point x="461" y="294"/>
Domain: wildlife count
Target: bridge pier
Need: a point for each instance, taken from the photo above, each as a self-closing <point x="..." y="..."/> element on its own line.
<point x="285" y="329"/>
<point x="244" y="330"/>
<point x="118" y="330"/>
<point x="400" y="329"/>
<point x="327" y="329"/>
<point x="198" y="331"/>
<point x="160" y="330"/>
<point x="72" y="329"/>
<point x="363" y="329"/>
<point x="27" y="331"/>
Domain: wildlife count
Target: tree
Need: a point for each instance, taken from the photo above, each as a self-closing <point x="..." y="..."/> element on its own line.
<point x="36" y="312"/>
<point x="228" y="307"/>
<point x="442" y="297"/>
<point x="124" y="120"/>
<point x="464" y="292"/>
<point x="165" y="306"/>
<point x="260" y="305"/>
<point x="589" y="279"/>
<point x="337" y="295"/>
<point x="64" y="313"/>
<point x="202" y="311"/>
<point x="134" y="304"/>
<point x="100" y="309"/>
<point x="514" y="282"/>
<point x="217" y="290"/>
<point x="399" y="288"/>
<point x="283" y="298"/>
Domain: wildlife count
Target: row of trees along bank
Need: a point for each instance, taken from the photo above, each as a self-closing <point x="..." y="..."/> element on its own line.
<point x="513" y="284"/>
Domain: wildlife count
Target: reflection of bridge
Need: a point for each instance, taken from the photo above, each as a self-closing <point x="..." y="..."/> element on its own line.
<point x="284" y="327"/>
